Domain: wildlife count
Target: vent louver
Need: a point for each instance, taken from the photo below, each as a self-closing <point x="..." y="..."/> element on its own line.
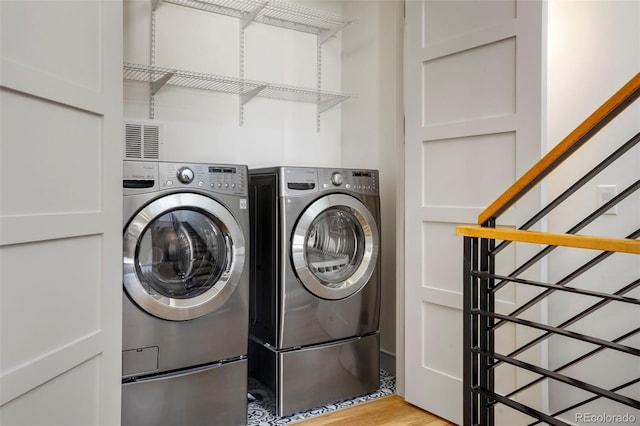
<point x="133" y="141"/>
<point x="151" y="142"/>
<point x="142" y="141"/>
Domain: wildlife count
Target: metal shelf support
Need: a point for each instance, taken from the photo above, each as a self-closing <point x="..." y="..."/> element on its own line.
<point x="152" y="57"/>
<point x="247" y="96"/>
<point x="159" y="83"/>
<point x="327" y="34"/>
<point x="250" y="16"/>
<point x="328" y="104"/>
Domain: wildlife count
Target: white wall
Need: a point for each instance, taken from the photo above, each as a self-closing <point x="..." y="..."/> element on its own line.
<point x="594" y="49"/>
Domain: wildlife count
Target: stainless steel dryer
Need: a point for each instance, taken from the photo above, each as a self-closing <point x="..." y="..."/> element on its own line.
<point x="315" y="284"/>
<point x="186" y="294"/>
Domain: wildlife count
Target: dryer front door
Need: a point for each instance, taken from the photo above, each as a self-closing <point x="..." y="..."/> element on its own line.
<point x="183" y="256"/>
<point x="335" y="246"/>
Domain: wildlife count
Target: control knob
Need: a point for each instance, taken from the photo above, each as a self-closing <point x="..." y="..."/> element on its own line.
<point x="185" y="175"/>
<point x="337" y="179"/>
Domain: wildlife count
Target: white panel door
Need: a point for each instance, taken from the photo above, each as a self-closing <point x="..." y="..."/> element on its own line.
<point x="473" y="125"/>
<point x="60" y="212"/>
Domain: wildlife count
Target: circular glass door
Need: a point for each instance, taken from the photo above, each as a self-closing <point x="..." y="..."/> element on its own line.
<point x="335" y="246"/>
<point x="183" y="256"/>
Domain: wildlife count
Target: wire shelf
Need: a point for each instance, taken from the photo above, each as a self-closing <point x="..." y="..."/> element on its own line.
<point x="277" y="13"/>
<point x="160" y="76"/>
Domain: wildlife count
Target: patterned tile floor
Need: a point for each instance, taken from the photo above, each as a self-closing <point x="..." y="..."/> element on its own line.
<point x="261" y="410"/>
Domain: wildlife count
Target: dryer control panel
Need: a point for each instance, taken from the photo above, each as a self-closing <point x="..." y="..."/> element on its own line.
<point x="361" y="181"/>
<point x="220" y="178"/>
<point x="302" y="181"/>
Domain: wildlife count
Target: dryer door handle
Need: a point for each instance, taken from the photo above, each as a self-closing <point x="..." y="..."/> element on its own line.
<point x="138" y="183"/>
<point x="301" y="186"/>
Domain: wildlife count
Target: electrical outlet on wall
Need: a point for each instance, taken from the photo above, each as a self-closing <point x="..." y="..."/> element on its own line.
<point x="605" y="193"/>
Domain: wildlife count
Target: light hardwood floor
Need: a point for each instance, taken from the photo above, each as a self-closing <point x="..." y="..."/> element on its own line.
<point x="390" y="410"/>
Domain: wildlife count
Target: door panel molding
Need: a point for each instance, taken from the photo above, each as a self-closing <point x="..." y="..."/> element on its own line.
<point x="33" y="373"/>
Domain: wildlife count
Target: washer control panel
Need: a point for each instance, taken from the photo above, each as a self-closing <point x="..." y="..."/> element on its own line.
<point x="362" y="181"/>
<point x="226" y="179"/>
<point x="231" y="179"/>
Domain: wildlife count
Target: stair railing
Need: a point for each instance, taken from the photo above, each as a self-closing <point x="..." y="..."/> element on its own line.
<point x="483" y="357"/>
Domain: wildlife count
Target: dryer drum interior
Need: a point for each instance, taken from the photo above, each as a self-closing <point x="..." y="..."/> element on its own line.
<point x="334" y="246"/>
<point x="183" y="254"/>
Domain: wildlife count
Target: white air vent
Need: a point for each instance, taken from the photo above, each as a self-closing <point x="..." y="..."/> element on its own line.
<point x="142" y="141"/>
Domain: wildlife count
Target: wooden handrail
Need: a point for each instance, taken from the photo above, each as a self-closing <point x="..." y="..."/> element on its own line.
<point x="589" y="127"/>
<point x="547" y="238"/>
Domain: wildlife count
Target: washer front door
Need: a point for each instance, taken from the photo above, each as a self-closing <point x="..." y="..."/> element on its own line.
<point x="183" y="256"/>
<point x="334" y="247"/>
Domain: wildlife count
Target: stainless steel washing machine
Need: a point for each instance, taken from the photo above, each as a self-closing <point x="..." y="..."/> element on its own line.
<point x="315" y="284"/>
<point x="186" y="294"/>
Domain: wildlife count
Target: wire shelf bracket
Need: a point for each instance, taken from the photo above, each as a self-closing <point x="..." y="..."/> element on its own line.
<point x="247" y="96"/>
<point x="327" y="34"/>
<point x="156" y="85"/>
<point x="250" y="16"/>
<point x="329" y="103"/>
